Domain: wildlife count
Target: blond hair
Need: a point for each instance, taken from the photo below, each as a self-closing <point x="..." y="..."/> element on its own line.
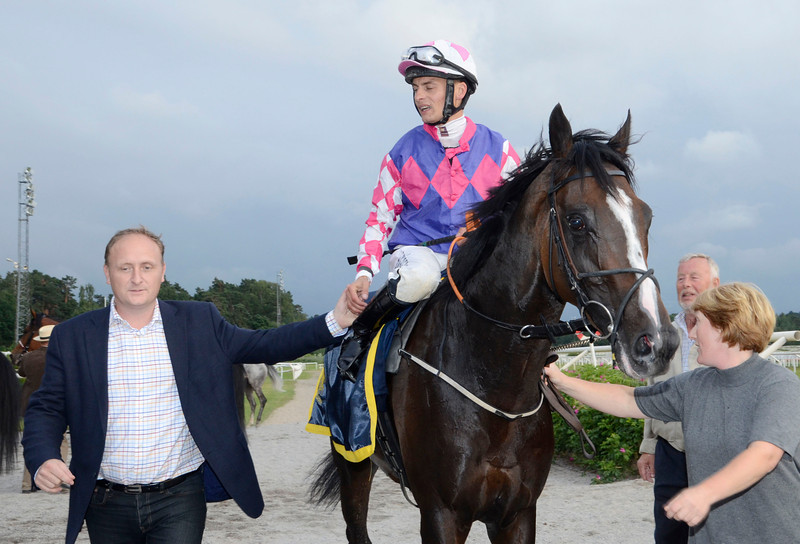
<point x="141" y="229"/>
<point x="741" y="312"/>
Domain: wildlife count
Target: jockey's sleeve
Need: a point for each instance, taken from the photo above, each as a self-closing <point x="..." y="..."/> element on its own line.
<point x="386" y="206"/>
<point x="510" y="160"/>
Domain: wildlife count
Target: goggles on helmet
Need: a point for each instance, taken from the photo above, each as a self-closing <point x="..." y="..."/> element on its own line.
<point x="429" y="55"/>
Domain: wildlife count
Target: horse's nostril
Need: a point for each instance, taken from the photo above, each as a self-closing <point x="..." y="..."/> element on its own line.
<point x="644" y="345"/>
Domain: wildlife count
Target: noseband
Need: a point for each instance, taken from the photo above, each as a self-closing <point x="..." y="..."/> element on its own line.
<point x="574" y="277"/>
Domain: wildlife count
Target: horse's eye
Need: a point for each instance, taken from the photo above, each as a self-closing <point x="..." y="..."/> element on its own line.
<point x="575" y="222"/>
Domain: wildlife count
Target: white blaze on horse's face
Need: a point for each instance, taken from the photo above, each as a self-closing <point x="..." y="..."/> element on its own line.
<point x="621" y="206"/>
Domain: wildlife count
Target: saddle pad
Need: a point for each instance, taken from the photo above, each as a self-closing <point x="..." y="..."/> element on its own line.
<point x="347" y="411"/>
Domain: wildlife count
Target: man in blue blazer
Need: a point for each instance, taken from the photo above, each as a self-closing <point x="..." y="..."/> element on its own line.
<point x="146" y="389"/>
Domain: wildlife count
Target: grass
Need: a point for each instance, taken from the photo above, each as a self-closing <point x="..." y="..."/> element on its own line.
<point x="276" y="399"/>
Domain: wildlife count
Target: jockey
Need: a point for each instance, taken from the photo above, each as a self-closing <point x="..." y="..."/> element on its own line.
<point x="427" y="183"/>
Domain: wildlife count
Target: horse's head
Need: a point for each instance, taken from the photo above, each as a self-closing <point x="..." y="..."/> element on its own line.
<point x="596" y="255"/>
<point x="27" y="340"/>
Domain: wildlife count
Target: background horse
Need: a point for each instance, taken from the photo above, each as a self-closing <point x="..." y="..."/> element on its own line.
<point x="11" y="394"/>
<point x="567" y="226"/>
<point x="256" y="375"/>
<point x="33" y="372"/>
<point x="9" y="414"/>
<point x="26" y="341"/>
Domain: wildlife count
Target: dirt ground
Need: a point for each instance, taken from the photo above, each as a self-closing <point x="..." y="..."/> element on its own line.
<point x="570" y="510"/>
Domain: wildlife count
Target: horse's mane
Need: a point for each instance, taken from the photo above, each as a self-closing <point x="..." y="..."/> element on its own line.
<point x="591" y="151"/>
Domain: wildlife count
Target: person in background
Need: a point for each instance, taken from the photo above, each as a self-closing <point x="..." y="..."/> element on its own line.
<point x="145" y="386"/>
<point x="662" y="459"/>
<point x="740" y="417"/>
<point x="31" y="367"/>
<point x="427" y="183"/>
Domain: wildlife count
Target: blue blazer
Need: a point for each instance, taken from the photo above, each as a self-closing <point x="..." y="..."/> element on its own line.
<point x="202" y="348"/>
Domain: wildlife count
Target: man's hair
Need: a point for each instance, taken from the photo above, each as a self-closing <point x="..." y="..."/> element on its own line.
<point x="136" y="230"/>
<point x="741" y="312"/>
<point x="711" y="263"/>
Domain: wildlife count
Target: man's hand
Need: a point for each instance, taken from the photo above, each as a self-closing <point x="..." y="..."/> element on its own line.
<point x="52" y="474"/>
<point x="357" y="294"/>
<point x="647" y="467"/>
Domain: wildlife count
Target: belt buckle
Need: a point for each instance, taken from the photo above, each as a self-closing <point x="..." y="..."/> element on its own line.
<point x="135" y="489"/>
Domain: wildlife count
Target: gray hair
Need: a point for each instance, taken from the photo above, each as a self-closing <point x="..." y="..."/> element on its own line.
<point x="711" y="263"/>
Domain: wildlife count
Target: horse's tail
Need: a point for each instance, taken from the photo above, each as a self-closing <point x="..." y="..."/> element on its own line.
<point x="327" y="485"/>
<point x="275" y="378"/>
<point x="9" y="415"/>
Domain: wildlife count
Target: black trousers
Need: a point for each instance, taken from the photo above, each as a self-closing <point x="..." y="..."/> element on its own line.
<point x="671" y="478"/>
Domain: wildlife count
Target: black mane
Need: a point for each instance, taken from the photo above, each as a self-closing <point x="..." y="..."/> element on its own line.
<point x="591" y="151"/>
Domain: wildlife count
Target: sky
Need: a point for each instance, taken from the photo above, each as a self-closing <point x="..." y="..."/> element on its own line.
<point x="250" y="133"/>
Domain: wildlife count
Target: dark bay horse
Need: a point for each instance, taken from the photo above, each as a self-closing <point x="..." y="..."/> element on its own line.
<point x="27" y="340"/>
<point x="9" y="414"/>
<point x="33" y="371"/>
<point x="567" y="226"/>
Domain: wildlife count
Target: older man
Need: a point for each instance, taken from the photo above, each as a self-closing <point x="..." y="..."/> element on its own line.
<point x="662" y="459"/>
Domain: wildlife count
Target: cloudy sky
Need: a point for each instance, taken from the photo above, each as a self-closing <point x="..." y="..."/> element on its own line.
<point x="250" y="133"/>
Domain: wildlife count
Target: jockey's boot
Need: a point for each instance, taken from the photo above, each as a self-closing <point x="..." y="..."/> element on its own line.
<point x="380" y="309"/>
<point x="390" y="444"/>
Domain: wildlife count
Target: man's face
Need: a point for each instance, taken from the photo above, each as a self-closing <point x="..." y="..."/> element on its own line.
<point x="429" y="97"/>
<point x="694" y="277"/>
<point x="430" y="94"/>
<point x="135" y="271"/>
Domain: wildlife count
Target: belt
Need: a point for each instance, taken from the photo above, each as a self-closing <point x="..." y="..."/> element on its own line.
<point x="136" y="489"/>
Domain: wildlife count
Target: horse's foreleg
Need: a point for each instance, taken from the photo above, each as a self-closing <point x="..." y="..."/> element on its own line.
<point x="356" y="482"/>
<point x="522" y="530"/>
<point x="441" y="526"/>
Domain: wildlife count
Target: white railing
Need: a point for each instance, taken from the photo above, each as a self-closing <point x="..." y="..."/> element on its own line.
<point x="596" y="355"/>
<point x="296" y="368"/>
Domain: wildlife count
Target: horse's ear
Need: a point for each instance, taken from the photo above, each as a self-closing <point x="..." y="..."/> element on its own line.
<point x="622" y="138"/>
<point x="560" y="133"/>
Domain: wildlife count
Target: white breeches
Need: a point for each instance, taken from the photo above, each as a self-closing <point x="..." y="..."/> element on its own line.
<point x="419" y="270"/>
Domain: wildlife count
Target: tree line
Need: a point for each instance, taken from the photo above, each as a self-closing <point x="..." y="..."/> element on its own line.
<point x="251" y="304"/>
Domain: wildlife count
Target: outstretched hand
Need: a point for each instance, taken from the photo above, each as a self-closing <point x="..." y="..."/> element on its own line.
<point x="554" y="374"/>
<point x="344" y="317"/>
<point x="357" y="294"/>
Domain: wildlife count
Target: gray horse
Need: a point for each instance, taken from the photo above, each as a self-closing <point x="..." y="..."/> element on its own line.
<point x="256" y="375"/>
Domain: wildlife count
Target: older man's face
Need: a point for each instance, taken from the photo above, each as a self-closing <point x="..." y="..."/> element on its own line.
<point x="694" y="277"/>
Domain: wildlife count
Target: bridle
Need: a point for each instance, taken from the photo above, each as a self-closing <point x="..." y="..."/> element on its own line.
<point x="573" y="276"/>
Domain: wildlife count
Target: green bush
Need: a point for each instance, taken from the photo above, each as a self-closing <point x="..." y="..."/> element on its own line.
<point x="616" y="439"/>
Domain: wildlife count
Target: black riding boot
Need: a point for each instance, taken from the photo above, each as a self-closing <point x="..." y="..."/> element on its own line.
<point x="379" y="310"/>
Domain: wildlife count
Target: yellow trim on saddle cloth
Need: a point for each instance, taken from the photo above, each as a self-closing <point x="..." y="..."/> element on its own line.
<point x="365" y="451"/>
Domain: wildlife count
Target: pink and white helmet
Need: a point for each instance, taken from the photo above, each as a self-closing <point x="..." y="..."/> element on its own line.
<point x="439" y="58"/>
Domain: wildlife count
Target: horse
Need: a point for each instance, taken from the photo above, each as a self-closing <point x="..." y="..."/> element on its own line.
<point x="27" y="340"/>
<point x="27" y="343"/>
<point x="256" y="375"/>
<point x="467" y="400"/>
<point x="9" y="414"/>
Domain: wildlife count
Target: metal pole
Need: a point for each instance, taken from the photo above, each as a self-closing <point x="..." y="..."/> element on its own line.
<point x="278" y="288"/>
<point x="26" y="207"/>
